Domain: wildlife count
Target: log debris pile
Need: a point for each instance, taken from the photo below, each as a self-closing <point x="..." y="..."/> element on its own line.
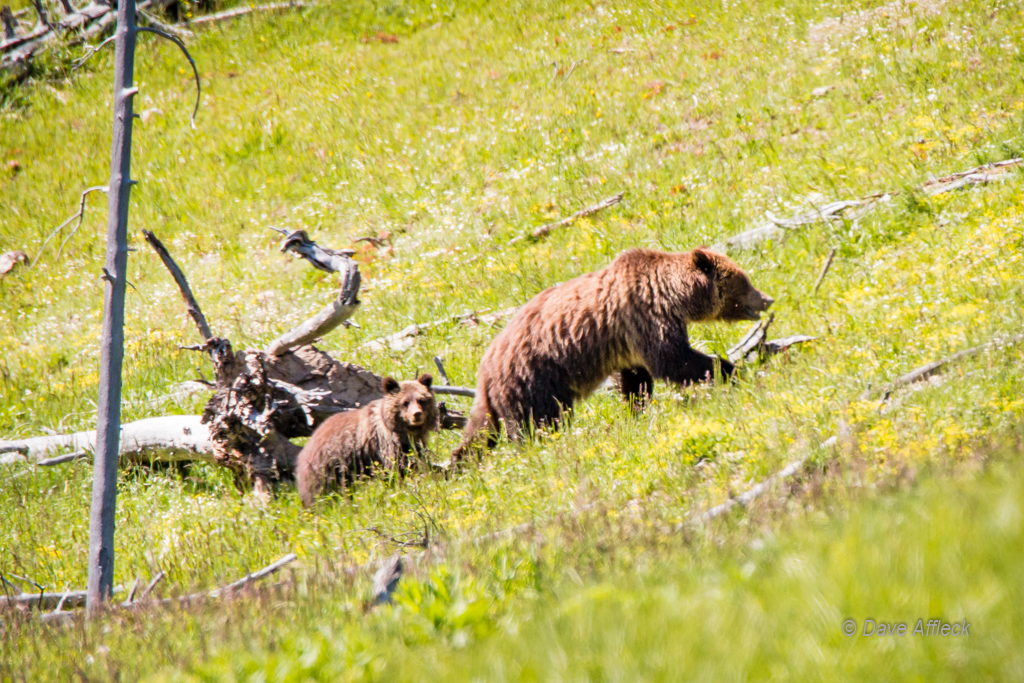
<point x="262" y="398"/>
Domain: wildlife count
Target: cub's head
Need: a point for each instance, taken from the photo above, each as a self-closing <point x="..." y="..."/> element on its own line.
<point x="411" y="404"/>
<point x="737" y="298"/>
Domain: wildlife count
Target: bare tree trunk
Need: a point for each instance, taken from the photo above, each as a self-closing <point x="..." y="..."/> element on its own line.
<point x="108" y="415"/>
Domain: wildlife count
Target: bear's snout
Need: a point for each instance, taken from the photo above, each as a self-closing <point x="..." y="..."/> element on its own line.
<point x="766" y="302"/>
<point x="415" y="416"/>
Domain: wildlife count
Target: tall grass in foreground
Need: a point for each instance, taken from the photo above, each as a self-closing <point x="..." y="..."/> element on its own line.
<point x="481" y="122"/>
<point x="752" y="597"/>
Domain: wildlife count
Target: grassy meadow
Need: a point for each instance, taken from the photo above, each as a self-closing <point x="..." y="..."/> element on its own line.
<point x="449" y="129"/>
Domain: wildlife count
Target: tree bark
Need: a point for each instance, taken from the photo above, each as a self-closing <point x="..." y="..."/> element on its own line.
<point x="108" y="416"/>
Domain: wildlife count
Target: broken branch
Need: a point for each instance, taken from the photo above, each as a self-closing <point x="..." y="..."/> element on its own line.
<point x="441" y="372"/>
<point x="755" y="342"/>
<point x="61" y="459"/>
<point x="824" y="271"/>
<point x="177" y="41"/>
<point x="191" y="305"/>
<point x="335" y="313"/>
<point x="455" y="391"/>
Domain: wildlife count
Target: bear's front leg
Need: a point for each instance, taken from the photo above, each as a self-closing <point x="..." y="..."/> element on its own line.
<point x="682" y="364"/>
<point x="637" y="387"/>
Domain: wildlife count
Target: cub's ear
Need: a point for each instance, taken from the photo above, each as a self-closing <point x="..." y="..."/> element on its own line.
<point x="391" y="385"/>
<point x="703" y="261"/>
<point x="426" y="380"/>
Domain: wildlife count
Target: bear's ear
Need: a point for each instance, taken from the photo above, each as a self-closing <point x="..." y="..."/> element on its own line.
<point x="391" y="385"/>
<point x="426" y="379"/>
<point x="703" y="261"/>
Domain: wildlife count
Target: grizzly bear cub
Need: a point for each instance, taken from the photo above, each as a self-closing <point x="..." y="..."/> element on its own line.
<point x="629" y="317"/>
<point x="380" y="433"/>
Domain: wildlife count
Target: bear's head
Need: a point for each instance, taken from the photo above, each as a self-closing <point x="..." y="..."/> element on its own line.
<point x="737" y="298"/>
<point x="411" y="405"/>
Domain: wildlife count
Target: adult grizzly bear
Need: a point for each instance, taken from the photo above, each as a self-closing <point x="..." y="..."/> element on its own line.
<point x="380" y="433"/>
<point x="630" y="316"/>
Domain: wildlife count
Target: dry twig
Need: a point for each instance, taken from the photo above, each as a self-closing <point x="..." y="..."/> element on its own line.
<point x="583" y="213"/>
<point x="80" y="215"/>
<point x="824" y="271"/>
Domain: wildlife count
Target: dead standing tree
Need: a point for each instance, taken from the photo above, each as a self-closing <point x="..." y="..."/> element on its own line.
<point x="108" y="413"/>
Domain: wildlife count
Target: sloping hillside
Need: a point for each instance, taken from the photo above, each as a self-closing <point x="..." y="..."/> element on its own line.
<point x="448" y="130"/>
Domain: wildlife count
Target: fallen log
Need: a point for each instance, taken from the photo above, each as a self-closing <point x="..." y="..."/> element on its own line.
<point x="582" y="213"/>
<point x="242" y="11"/>
<point x="77" y="598"/>
<point x="405" y="338"/>
<point x="750" y="495"/>
<point x="929" y="369"/>
<point x="853" y="210"/>
<point x="170" y="438"/>
<point x="43" y="600"/>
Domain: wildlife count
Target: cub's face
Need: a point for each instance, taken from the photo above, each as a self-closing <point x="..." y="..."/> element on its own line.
<point x="414" y="401"/>
<point x="739" y="299"/>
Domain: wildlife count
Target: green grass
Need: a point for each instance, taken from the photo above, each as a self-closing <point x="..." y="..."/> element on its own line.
<point x="482" y="122"/>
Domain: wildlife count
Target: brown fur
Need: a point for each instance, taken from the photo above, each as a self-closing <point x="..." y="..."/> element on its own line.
<point x="629" y="317"/>
<point x="380" y="434"/>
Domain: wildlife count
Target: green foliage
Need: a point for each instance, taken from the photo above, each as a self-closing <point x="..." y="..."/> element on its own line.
<point x="482" y="122"/>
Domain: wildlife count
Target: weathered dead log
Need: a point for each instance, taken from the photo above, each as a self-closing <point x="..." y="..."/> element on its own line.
<point x="929" y="369"/>
<point x="45" y="600"/>
<point x="405" y="338"/>
<point x="170" y="438"/>
<point x="582" y="213"/>
<point x="853" y="210"/>
<point x="242" y="11"/>
<point x="774" y="227"/>
<point x="751" y="494"/>
<point x="986" y="173"/>
<point x="74" y="599"/>
<point x="74" y="28"/>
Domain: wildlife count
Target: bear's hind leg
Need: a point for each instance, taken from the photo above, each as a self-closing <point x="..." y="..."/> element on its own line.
<point x="637" y="387"/>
